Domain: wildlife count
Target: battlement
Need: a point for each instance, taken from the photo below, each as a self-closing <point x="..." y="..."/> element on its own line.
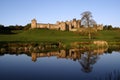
<point x="72" y="25"/>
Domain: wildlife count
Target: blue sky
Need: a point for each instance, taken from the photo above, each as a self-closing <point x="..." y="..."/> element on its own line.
<point x="21" y="12"/>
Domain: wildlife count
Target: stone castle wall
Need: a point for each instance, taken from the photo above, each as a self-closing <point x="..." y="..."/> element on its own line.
<point x="72" y="25"/>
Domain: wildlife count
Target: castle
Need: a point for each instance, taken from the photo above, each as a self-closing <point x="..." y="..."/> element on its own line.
<point x="72" y="25"/>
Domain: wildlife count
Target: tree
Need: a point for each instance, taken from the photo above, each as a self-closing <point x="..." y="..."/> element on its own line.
<point x="15" y="27"/>
<point x="26" y="27"/>
<point x="105" y="27"/>
<point x="4" y="30"/>
<point x="1" y="26"/>
<point x="110" y="27"/>
<point x="87" y="21"/>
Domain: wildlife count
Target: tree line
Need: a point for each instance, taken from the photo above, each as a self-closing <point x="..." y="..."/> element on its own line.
<point x="8" y="29"/>
<point x="110" y="27"/>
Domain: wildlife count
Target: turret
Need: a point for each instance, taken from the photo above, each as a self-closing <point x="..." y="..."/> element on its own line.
<point x="74" y="19"/>
<point x="34" y="23"/>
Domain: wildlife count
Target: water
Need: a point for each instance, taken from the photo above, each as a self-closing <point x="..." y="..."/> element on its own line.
<point x="72" y="64"/>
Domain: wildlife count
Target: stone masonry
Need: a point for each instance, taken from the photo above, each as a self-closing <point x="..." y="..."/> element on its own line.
<point x="72" y="25"/>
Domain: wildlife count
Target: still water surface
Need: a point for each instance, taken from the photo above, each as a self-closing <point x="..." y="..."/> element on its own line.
<point x="69" y="64"/>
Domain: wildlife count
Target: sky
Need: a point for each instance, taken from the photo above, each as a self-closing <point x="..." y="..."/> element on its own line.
<point x="21" y="12"/>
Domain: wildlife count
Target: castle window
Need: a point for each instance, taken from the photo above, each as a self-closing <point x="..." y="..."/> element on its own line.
<point x="72" y="27"/>
<point x="59" y="28"/>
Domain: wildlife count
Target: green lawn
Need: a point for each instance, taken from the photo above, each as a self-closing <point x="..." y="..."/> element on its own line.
<point x="44" y="35"/>
<point x="109" y="35"/>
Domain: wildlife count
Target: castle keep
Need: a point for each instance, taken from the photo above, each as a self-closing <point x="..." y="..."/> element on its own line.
<point x="72" y="25"/>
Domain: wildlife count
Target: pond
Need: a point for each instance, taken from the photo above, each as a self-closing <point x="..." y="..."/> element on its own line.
<point x="62" y="64"/>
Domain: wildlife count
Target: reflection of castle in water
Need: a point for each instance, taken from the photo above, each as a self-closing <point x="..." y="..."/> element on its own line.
<point x="74" y="54"/>
<point x="86" y="58"/>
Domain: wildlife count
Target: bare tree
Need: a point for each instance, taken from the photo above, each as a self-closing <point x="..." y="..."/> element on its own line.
<point x="87" y="21"/>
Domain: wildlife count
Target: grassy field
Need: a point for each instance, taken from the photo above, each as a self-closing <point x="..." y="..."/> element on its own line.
<point x="109" y="35"/>
<point x="44" y="35"/>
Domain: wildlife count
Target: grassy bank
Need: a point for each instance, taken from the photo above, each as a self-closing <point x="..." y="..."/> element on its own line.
<point x="65" y="37"/>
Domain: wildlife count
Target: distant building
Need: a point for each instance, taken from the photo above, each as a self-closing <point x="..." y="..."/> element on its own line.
<point x="72" y="25"/>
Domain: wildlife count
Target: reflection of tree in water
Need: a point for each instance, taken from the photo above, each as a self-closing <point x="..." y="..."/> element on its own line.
<point x="87" y="60"/>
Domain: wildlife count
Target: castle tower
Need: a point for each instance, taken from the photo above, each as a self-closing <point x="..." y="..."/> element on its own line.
<point x="79" y="23"/>
<point x="34" y="23"/>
